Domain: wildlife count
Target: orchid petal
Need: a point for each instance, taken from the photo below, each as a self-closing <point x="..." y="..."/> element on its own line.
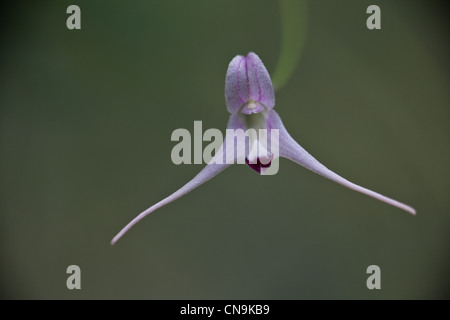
<point x="236" y="86"/>
<point x="291" y="150"/>
<point x="217" y="164"/>
<point x="248" y="81"/>
<point x="261" y="88"/>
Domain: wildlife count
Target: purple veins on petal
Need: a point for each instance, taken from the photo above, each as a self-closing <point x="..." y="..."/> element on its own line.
<point x="236" y="87"/>
<point x="260" y="82"/>
<point x="247" y="80"/>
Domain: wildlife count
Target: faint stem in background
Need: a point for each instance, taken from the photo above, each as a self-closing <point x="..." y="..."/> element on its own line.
<point x="293" y="31"/>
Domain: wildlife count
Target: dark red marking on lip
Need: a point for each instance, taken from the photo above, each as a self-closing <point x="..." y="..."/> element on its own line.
<point x="258" y="165"/>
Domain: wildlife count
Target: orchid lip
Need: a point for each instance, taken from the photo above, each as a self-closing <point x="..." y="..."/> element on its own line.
<point x="258" y="166"/>
<point x="258" y="157"/>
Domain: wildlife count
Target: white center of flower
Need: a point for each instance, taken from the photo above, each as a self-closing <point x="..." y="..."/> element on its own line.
<point x="251" y="105"/>
<point x="255" y="124"/>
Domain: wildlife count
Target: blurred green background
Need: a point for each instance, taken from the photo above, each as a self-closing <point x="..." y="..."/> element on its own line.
<point x="86" y="119"/>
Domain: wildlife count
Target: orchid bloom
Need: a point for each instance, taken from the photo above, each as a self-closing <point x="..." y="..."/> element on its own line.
<point x="250" y="99"/>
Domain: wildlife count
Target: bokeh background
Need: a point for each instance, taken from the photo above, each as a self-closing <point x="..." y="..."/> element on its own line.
<point x="86" y="118"/>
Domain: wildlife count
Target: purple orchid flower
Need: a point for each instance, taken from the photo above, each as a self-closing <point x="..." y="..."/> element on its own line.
<point x="250" y="99"/>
